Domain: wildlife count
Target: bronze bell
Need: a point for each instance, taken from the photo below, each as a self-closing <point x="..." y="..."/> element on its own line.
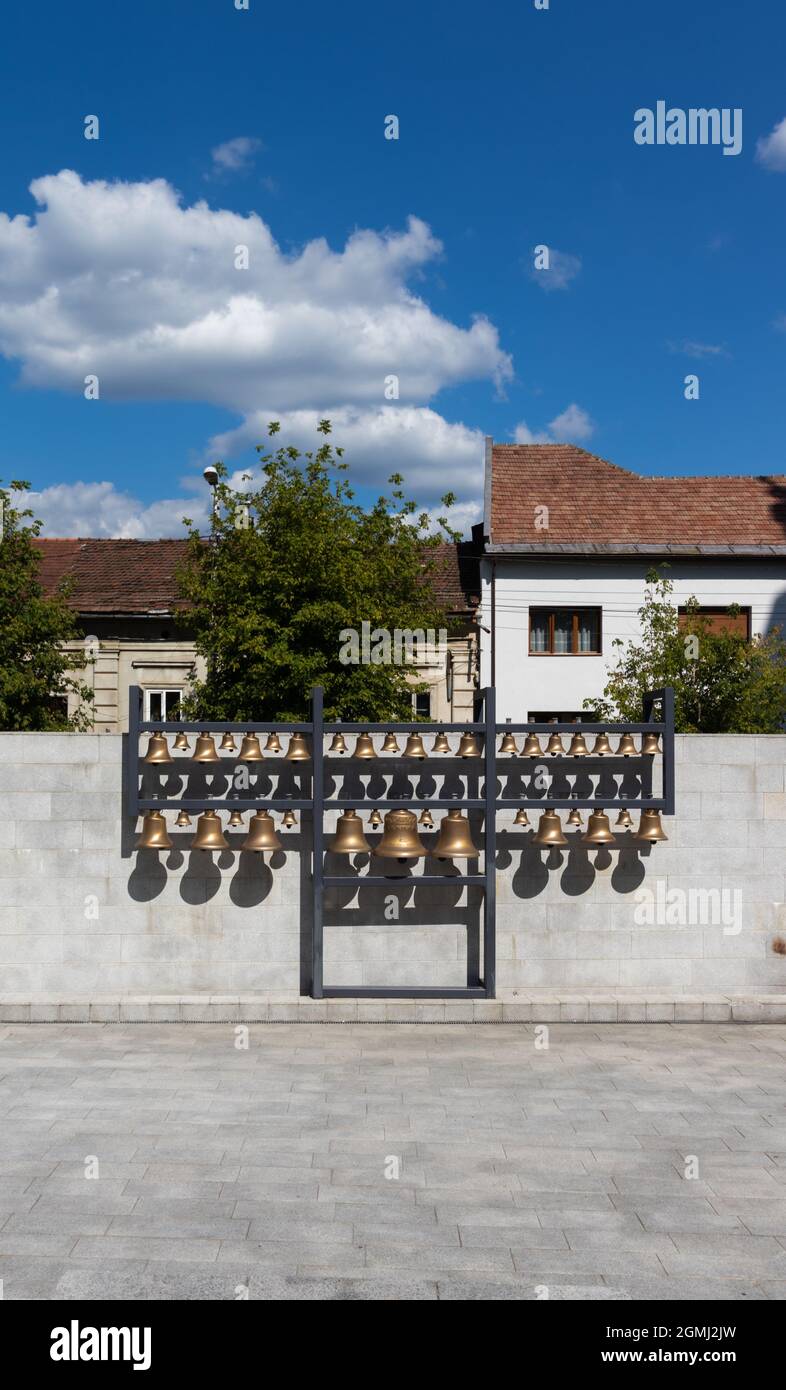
<point x="575" y="818"/>
<point x="209" y="834"/>
<point x="289" y="819"/>
<point x="349" y="837"/>
<point x="555" y="747"/>
<point x="469" y="747"/>
<point x="400" y="838"/>
<point x="181" y="744"/>
<point x="650" y="744"/>
<point x="598" y="831"/>
<point x="154" y="832"/>
<point x="183" y="819"/>
<point x="205" y="750"/>
<point x="549" y="831"/>
<point x="235" y="819"/>
<point x="250" y="751"/>
<point x="508" y="744"/>
<point x="532" y="748"/>
<point x="375" y="818"/>
<point x="273" y="744"/>
<point x="364" y="747"/>
<point x="391" y="744"/>
<point x="578" y="747"/>
<point x="521" y="818"/>
<point x="624" y="821"/>
<point x="261" y="833"/>
<point x="650" y="828"/>
<point x="602" y="746"/>
<point x="627" y="748"/>
<point x="455" y="838"/>
<point x="414" y="747"/>
<point x="338" y="744"/>
<point x="297" y="751"/>
<point x="158" y="750"/>
<point x="441" y="744"/>
<point x="227" y="744"/>
<point x="426" y="820"/>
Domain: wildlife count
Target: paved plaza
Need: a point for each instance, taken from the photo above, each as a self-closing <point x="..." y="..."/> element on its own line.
<point x="393" y="1162"/>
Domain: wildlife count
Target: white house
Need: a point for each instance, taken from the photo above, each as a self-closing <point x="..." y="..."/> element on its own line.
<point x="568" y="541"/>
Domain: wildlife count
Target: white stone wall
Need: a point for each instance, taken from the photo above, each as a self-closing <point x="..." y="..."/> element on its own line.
<point x="82" y="917"/>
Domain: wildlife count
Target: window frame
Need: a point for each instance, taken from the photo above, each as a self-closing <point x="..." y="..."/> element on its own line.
<point x="551" y="614"/>
<point x="719" y="610"/>
<point x="162" y="690"/>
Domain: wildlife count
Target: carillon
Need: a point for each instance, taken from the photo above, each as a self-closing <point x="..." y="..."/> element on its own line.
<point x="364" y="747"/>
<point x="297" y="751"/>
<point x="650" y="830"/>
<point x="414" y="747"/>
<point x="338" y="744"/>
<point x="289" y="819"/>
<point x="555" y="747"/>
<point x="623" y="821"/>
<point x="250" y="751"/>
<point x="235" y="819"/>
<point x="469" y="746"/>
<point x="400" y="838"/>
<point x="455" y="838"/>
<point x="549" y="831"/>
<point x="181" y="744"/>
<point x="390" y="744"/>
<point x="598" y="831"/>
<point x="205" y="750"/>
<point x="627" y="747"/>
<point x="602" y="746"/>
<point x="349" y="837"/>
<point x="183" y="819"/>
<point x="158" y="750"/>
<point x="650" y="744"/>
<point x="508" y="744"/>
<point x="575" y="818"/>
<point x="532" y="748"/>
<point x="227" y="744"/>
<point x="426" y="820"/>
<point x="375" y="818"/>
<point x="521" y="818"/>
<point x="209" y="835"/>
<point x="273" y="744"/>
<point x="578" y="747"/>
<point x="441" y="744"/>
<point x="261" y="834"/>
<point x="154" y="832"/>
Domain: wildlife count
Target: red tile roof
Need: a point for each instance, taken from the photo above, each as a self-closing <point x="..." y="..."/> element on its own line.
<point x="455" y="576"/>
<point x="114" y="576"/>
<point x="593" y="503"/>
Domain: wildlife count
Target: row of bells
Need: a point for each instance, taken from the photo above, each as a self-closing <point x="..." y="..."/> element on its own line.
<point x="209" y="833"/>
<point x="599" y="832"/>
<point x="205" y="750"/>
<point x="578" y="746"/>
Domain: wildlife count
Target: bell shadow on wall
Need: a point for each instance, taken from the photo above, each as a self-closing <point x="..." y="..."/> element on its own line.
<point x="559" y="784"/>
<point x="630" y="870"/>
<point x="251" y="884"/>
<point x="579" y="873"/>
<point x="532" y="875"/>
<point x="202" y="878"/>
<point x="147" y="879"/>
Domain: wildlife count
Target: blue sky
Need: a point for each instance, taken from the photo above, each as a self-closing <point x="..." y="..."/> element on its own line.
<point x="516" y="129"/>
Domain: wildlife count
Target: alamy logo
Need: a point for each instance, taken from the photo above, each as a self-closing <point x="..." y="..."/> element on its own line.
<point x="697" y="126"/>
<point x="73" y="1343"/>
<point x="403" y="646"/>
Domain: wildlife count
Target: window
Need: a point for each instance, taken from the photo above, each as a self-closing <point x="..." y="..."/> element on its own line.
<point x="564" y="631"/>
<point x="552" y="716"/>
<point x="161" y="705"/>
<point x="421" y="704"/>
<point x="737" y="622"/>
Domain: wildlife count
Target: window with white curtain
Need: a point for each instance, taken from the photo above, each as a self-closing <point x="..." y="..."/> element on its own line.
<point x="564" y="631"/>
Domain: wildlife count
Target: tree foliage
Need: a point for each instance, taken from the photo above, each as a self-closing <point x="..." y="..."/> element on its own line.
<point x="723" y="683"/>
<point x="293" y="563"/>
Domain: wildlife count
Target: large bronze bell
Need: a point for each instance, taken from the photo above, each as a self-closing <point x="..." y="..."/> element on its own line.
<point x="227" y="744"/>
<point x="455" y="838"/>
<point x="508" y="744"/>
<point x="549" y="831"/>
<point x="521" y="818"/>
<point x="235" y="820"/>
<point x="183" y="819"/>
<point x="555" y="747"/>
<point x="250" y="751"/>
<point x="273" y="743"/>
<point x="441" y="744"/>
<point x="650" y="828"/>
<point x="598" y="831"/>
<point x="532" y="748"/>
<point x="414" y="747"/>
<point x="400" y="837"/>
<point x="390" y="744"/>
<point x="364" y="747"/>
<point x="181" y="744"/>
<point x="575" y="818"/>
<point x="297" y="751"/>
<point x="578" y="747"/>
<point x="209" y="834"/>
<point x="650" y="744"/>
<point x="154" y="832"/>
<point x="426" y="820"/>
<point x="338" y="744"/>
<point x="158" y="750"/>
<point x="623" y="821"/>
<point x="349" y="837"/>
<point x="261" y="834"/>
<point x="627" y="747"/>
<point x="469" y="747"/>
<point x="602" y="746"/>
<point x="205" y="750"/>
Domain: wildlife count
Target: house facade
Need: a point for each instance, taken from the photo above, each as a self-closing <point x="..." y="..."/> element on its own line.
<point x="568" y="541"/>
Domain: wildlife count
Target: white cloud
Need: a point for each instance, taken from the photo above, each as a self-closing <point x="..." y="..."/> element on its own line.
<point x="235" y="156"/>
<point x="99" y="509"/>
<point x="689" y="348"/>
<point x="563" y="267"/>
<point x="573" y="426"/>
<point x="771" y="149"/>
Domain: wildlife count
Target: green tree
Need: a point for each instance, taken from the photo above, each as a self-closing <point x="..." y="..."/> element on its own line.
<point x="291" y="566"/>
<point x="722" y="682"/>
<point x="37" y="674"/>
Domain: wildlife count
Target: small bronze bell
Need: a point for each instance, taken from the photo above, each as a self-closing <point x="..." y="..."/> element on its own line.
<point x="578" y="747"/>
<point x="575" y="818"/>
<point x="209" y="834"/>
<point x="400" y="838"/>
<point x="650" y="828"/>
<point x="205" y="750"/>
<point x="338" y="744"/>
<point x="627" y="748"/>
<point x="623" y="821"/>
<point x="227" y="744"/>
<point x="532" y="748"/>
<point x="508" y="744"/>
<point x="235" y="819"/>
<point x="297" y="751"/>
<point x="455" y="838"/>
<point x="375" y="818"/>
<point x="469" y="747"/>
<point x="181" y="744"/>
<point x="183" y="819"/>
<point x="158" y="750"/>
<point x="349" y="837"/>
<point x="555" y="747"/>
<point x="364" y="747"/>
<point x="250" y="751"/>
<point x="602" y="746"/>
<point x="521" y="818"/>
<point x="391" y="744"/>
<point x="549" y="831"/>
<point x="414" y="747"/>
<point x="598" y="831"/>
<point x="441" y="744"/>
<point x="289" y="819"/>
<point x="273" y="744"/>
<point x="650" y="744"/>
<point x="426" y="820"/>
<point x="154" y="832"/>
<point x="261" y="834"/>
